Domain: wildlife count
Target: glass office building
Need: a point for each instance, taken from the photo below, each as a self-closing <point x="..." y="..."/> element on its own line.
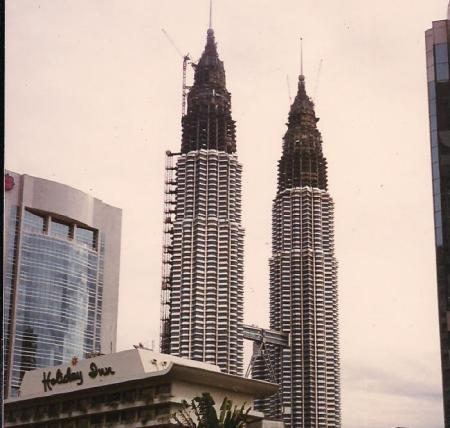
<point x="438" y="73"/>
<point x="58" y="246"/>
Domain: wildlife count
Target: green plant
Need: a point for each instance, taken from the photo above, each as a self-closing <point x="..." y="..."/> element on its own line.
<point x="201" y="413"/>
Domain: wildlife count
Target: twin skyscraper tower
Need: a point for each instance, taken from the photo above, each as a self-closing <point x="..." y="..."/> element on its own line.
<point x="203" y="269"/>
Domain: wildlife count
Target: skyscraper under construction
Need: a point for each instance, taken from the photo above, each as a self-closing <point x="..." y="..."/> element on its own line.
<point x="303" y="280"/>
<point x="202" y="282"/>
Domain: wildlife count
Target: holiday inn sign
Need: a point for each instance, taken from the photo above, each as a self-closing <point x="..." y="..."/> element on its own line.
<point x="73" y="376"/>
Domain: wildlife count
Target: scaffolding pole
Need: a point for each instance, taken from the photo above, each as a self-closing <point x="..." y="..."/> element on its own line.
<point x="168" y="219"/>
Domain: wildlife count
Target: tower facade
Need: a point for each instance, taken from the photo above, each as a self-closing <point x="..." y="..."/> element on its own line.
<point x="437" y="41"/>
<point x="61" y="276"/>
<point x="303" y="279"/>
<point x="202" y="287"/>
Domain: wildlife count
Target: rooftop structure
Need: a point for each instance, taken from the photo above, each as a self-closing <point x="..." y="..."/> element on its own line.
<point x="134" y="388"/>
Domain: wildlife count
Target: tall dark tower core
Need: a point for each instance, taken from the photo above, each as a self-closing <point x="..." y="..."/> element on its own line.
<point x="208" y="123"/>
<point x="202" y="296"/>
<point x="303" y="280"/>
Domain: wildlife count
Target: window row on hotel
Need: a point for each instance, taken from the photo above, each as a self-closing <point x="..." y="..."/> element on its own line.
<point x="46" y="224"/>
<point x="71" y="408"/>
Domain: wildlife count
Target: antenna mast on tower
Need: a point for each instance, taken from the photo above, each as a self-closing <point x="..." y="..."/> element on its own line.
<point x="210" y="13"/>
<point x="301" y="56"/>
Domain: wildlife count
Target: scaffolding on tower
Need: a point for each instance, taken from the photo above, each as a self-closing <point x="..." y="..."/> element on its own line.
<point x="169" y="217"/>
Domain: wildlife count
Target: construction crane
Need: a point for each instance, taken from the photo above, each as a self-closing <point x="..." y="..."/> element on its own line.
<point x="186" y="60"/>
<point x="289" y="89"/>
<point x="316" y="86"/>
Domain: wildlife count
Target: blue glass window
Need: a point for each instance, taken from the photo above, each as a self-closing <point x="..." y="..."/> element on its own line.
<point x="442" y="72"/>
<point x="434" y="154"/>
<point x="432" y="108"/>
<point x="438" y="219"/>
<point x="60" y="229"/>
<point x="11" y="241"/>
<point x="441" y="53"/>
<point x="431" y="90"/>
<point x="435" y="169"/>
<point x="33" y="222"/>
<point x="433" y="123"/>
<point x="438" y="234"/>
<point x="436" y="186"/>
<point x="85" y="236"/>
<point x="437" y="202"/>
<point x="434" y="139"/>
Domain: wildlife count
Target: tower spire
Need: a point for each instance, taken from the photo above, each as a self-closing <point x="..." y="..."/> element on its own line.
<point x="210" y="14"/>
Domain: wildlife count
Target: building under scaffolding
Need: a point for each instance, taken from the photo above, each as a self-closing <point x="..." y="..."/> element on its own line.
<point x="202" y="274"/>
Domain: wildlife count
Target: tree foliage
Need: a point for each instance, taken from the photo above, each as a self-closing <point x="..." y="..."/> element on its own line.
<point x="201" y="413"/>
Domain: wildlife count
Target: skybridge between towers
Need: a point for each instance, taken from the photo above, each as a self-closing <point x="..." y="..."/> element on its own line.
<point x="263" y="338"/>
<point x="262" y="335"/>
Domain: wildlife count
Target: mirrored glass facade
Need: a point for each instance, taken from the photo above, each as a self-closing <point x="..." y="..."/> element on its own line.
<point x="438" y="74"/>
<point x="58" y="299"/>
<point x="9" y="275"/>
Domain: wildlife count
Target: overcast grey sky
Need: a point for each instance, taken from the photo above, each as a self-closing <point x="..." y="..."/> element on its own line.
<point x="93" y="100"/>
